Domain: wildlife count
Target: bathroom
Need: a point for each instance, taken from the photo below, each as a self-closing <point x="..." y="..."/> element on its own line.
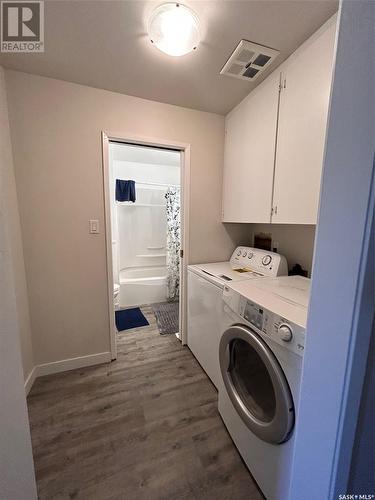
<point x="144" y="190"/>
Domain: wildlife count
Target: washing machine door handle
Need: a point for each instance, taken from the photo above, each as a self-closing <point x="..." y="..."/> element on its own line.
<point x="256" y="384"/>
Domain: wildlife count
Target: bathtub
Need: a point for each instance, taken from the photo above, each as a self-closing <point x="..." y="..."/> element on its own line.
<point x="142" y="285"/>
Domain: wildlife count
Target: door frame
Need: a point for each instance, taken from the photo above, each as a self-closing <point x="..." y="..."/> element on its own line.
<point x="156" y="142"/>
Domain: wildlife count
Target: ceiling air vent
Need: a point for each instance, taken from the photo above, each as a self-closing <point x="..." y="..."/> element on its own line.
<point x="249" y="60"/>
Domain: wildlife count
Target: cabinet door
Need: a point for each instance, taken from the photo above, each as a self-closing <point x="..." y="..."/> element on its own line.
<point x="304" y="100"/>
<point x="249" y="155"/>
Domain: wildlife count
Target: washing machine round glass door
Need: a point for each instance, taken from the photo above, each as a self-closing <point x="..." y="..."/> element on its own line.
<point x="256" y="384"/>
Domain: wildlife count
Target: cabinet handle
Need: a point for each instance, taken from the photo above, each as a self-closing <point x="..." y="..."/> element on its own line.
<point x="275" y="210"/>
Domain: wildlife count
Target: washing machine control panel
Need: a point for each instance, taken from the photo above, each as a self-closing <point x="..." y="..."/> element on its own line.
<point x="272" y="326"/>
<point x="262" y="262"/>
<point x="253" y="314"/>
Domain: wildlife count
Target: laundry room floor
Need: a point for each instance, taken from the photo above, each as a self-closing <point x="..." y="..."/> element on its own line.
<point x="143" y="427"/>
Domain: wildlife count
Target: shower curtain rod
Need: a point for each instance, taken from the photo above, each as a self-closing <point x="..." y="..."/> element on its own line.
<point x="156" y="184"/>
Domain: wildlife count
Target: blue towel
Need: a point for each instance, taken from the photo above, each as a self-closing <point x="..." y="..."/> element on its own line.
<point x="125" y="190"/>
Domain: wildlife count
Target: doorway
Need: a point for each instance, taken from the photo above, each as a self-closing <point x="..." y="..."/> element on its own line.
<point x="146" y="225"/>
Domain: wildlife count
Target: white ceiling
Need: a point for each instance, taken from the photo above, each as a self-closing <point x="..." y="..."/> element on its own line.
<point x="104" y="44"/>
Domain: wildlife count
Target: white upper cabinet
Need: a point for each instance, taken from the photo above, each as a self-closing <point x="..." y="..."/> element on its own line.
<point x="250" y="135"/>
<point x="274" y="142"/>
<point x="304" y="99"/>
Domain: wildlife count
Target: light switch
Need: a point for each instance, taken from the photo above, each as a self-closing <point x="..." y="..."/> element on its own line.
<point x="94" y="226"/>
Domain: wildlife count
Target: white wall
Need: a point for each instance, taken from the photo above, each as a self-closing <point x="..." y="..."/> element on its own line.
<point x="15" y="242"/>
<point x="295" y="241"/>
<point x="362" y="467"/>
<point x="343" y="288"/>
<point x="55" y="129"/>
<point x="16" y="463"/>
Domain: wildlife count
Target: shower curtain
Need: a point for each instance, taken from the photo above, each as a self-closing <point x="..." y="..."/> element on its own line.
<point x="173" y="243"/>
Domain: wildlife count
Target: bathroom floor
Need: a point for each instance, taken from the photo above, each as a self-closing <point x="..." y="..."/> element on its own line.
<point x="143" y="427"/>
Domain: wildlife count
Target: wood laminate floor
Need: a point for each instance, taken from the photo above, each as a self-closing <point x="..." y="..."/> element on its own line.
<point x="143" y="427"/>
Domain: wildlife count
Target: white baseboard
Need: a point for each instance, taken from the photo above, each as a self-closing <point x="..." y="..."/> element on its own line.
<point x="65" y="365"/>
<point x="30" y="380"/>
<point x="73" y="363"/>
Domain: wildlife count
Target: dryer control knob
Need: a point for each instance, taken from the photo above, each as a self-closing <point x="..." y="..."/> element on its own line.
<point x="285" y="333"/>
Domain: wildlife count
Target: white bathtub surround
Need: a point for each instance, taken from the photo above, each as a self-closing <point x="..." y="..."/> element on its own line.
<point x="139" y="230"/>
<point x="142" y="285"/>
<point x="173" y="245"/>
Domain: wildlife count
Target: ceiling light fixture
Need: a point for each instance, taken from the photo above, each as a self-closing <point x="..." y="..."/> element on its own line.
<point x="174" y="29"/>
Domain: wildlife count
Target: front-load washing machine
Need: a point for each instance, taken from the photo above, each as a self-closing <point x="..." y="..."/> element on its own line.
<point x="205" y="304"/>
<point x="260" y="354"/>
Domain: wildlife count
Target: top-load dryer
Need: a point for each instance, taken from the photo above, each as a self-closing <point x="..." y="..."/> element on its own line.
<point x="205" y="305"/>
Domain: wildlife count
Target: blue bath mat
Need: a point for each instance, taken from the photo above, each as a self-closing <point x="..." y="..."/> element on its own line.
<point x="130" y="318"/>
